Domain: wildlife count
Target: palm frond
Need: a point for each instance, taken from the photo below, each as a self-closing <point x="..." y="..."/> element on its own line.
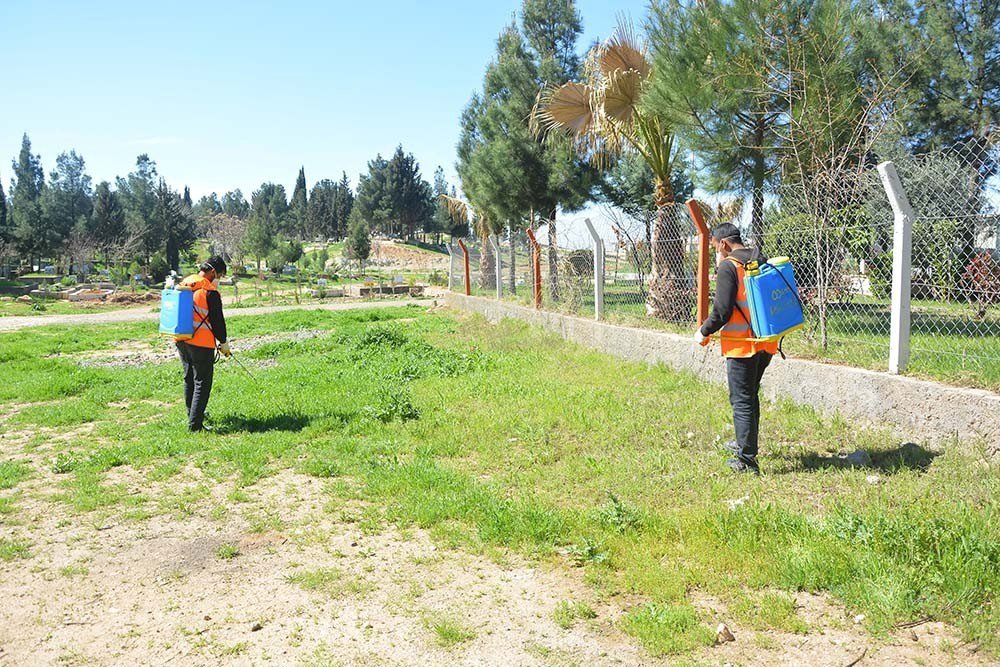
<point x="567" y="108"/>
<point x="624" y="51"/>
<point x="458" y="210"/>
<point x="622" y="90"/>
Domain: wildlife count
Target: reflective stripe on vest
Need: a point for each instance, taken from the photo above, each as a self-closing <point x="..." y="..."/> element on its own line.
<point x="203" y="334"/>
<point x="736" y="337"/>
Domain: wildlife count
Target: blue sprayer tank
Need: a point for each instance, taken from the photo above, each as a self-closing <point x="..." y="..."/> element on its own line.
<point x="177" y="313"/>
<point x="773" y="298"/>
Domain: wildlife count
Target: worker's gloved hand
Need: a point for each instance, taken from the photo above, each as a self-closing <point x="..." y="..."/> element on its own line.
<point x="224" y="349"/>
<point x="699" y="337"/>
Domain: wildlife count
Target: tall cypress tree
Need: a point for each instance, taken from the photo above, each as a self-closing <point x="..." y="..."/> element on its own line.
<point x="343" y="204"/>
<point x="178" y="229"/>
<point x="298" y="209"/>
<point x="4" y="231"/>
<point x="31" y="234"/>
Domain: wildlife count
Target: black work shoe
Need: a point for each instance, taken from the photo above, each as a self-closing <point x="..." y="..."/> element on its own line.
<point x="732" y="447"/>
<point x="741" y="465"/>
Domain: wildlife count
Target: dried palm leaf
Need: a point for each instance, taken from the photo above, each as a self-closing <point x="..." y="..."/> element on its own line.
<point x="566" y="108"/>
<point x="622" y="89"/>
<point x="622" y="51"/>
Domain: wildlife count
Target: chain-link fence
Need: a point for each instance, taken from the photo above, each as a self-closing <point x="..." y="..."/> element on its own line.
<point x="839" y="233"/>
<point x="955" y="283"/>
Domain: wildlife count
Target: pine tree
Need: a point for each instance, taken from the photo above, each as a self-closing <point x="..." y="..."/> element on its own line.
<point x="408" y="193"/>
<point x="372" y="200"/>
<point x="714" y="71"/>
<point x="358" y="244"/>
<point x="67" y="201"/>
<point x="321" y="218"/>
<point x="298" y="211"/>
<point x="32" y="237"/>
<point x="269" y="210"/>
<point x="235" y="204"/>
<point x="137" y="194"/>
<point x="108" y="218"/>
<point x="441" y="221"/>
<point x="551" y="29"/>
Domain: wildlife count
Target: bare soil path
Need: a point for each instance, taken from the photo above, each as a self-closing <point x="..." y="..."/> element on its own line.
<point x="16" y="323"/>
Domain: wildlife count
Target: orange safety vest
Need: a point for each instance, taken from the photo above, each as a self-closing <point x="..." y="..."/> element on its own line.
<point x="203" y="334"/>
<point x="736" y="336"/>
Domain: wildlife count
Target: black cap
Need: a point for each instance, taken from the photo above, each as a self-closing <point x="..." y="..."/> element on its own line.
<point x="215" y="263"/>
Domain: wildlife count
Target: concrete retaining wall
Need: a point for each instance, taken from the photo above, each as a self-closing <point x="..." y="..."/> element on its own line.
<point x="917" y="410"/>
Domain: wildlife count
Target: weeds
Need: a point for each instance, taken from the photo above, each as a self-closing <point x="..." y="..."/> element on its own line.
<point x="500" y="437"/>
<point x="566" y="613"/>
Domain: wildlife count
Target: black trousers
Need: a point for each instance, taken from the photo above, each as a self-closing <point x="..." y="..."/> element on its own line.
<point x="744" y="377"/>
<point x="199" y="367"/>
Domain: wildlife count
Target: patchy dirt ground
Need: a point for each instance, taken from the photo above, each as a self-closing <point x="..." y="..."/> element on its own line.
<point x="285" y="572"/>
<point x="139" y="353"/>
<point x="394" y="255"/>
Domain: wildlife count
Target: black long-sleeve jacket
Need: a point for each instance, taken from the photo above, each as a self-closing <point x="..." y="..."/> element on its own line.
<point x="726" y="288"/>
<point x="215" y="317"/>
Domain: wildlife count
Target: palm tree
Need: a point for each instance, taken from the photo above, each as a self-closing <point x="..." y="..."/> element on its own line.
<point x="462" y="212"/>
<point x="605" y="116"/>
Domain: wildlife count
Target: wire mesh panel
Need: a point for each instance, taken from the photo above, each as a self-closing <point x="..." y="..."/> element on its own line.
<point x="955" y="285"/>
<point x="840" y="245"/>
<point x="650" y="269"/>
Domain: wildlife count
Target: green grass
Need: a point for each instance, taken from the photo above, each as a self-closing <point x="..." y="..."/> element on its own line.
<point x="947" y="342"/>
<point x="503" y="437"/>
<point x="330" y="581"/>
<point x="12" y="472"/>
<point x="227" y="551"/>
<point x="566" y="613"/>
<point x="13" y="549"/>
<point x="448" y="631"/>
<point x="668" y="629"/>
<point x="766" y="610"/>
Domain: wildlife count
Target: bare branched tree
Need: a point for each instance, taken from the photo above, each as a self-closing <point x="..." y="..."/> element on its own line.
<point x="226" y="234"/>
<point x="81" y="248"/>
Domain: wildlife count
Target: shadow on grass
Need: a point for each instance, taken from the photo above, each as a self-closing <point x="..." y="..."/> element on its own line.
<point x="283" y="422"/>
<point x="908" y="456"/>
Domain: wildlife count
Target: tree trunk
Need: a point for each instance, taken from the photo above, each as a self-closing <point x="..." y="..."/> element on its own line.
<point x="553" y="257"/>
<point x="670" y="296"/>
<point x="513" y="256"/>
<point x="487" y="266"/>
<point x="757" y="206"/>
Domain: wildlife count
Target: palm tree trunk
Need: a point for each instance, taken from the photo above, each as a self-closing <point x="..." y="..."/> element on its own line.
<point x="670" y="296"/>
<point x="553" y="257"/>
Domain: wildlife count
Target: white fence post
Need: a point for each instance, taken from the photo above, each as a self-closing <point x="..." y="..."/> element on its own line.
<point x="598" y="271"/>
<point x="451" y="267"/>
<point x="902" y="246"/>
<point x="495" y="242"/>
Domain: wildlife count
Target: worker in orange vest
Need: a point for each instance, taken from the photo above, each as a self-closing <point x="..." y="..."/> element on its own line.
<point x="746" y="357"/>
<point x="198" y="352"/>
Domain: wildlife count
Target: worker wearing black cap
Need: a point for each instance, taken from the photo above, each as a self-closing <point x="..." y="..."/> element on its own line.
<point x="198" y="352"/>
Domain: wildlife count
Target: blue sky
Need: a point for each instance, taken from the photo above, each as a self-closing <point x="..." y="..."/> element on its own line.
<point x="230" y="94"/>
